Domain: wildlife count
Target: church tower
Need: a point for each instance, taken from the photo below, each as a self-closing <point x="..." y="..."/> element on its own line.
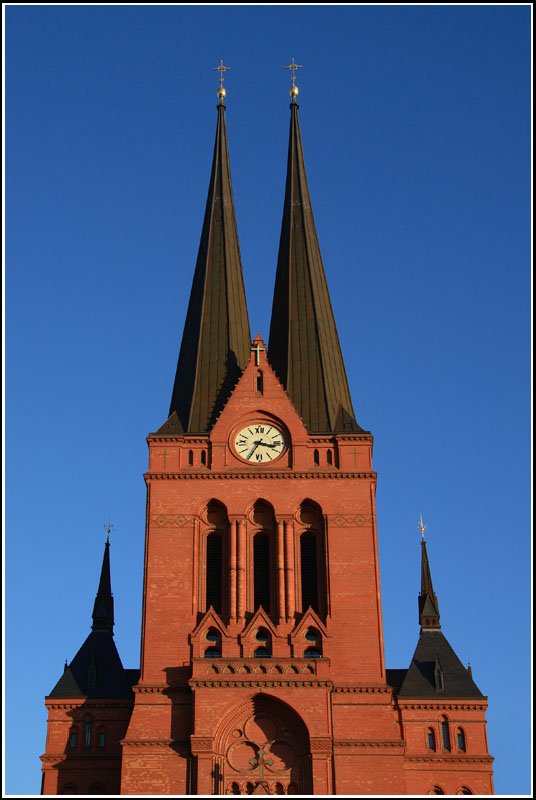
<point x="262" y="659"/>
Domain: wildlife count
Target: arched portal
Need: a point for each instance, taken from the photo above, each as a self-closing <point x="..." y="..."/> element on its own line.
<point x="263" y="747"/>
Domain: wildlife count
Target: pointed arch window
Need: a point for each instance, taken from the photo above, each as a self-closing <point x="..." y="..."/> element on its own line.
<point x="445" y="733"/>
<point x="101" y="739"/>
<point x="263" y="639"/>
<point x="190" y="458"/>
<point x="431" y="739"/>
<point x="314" y="642"/>
<point x="329" y="458"/>
<point x="204" y="457"/>
<point x="259" y="382"/>
<point x="464" y="790"/>
<point x="316" y="457"/>
<point x="214" y="581"/>
<point x="87" y="734"/>
<point x="460" y="740"/>
<point x="436" y="790"/>
<point x="261" y="571"/>
<point x="73" y="738"/>
<point x="309" y="571"/>
<point x="213" y="636"/>
<point x="69" y="788"/>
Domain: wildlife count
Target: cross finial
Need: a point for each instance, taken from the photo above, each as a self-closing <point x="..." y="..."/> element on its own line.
<point x="293" y="89"/>
<point x="108" y="528"/>
<point x="222" y="69"/>
<point x="422" y="527"/>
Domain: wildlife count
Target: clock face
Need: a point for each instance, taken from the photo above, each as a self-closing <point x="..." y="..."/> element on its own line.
<point x="259" y="442"/>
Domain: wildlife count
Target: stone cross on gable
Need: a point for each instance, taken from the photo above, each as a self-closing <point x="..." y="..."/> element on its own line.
<point x="257" y="349"/>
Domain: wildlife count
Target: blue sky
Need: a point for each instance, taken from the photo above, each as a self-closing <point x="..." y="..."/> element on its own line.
<point x="416" y="131"/>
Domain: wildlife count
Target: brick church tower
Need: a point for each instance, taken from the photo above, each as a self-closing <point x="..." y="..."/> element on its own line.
<point x="262" y="660"/>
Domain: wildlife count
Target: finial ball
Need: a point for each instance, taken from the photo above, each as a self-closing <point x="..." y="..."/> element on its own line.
<point x="294" y="91"/>
<point x="221" y="92"/>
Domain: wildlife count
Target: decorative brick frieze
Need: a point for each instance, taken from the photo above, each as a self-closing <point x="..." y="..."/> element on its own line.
<point x="157" y="744"/>
<point x="350" y="520"/>
<point x="344" y="689"/>
<point x="442" y="706"/>
<point x="86" y="705"/>
<point x="160" y="689"/>
<point x="172" y="520"/>
<point x="201" y="744"/>
<point x="447" y="758"/>
<point x="232" y="683"/>
<point x="321" y="745"/>
<point x="206" y="474"/>
<point x="374" y="743"/>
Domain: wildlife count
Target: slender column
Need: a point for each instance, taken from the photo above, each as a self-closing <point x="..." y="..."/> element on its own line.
<point x="241" y="568"/>
<point x="281" y="571"/>
<point x="233" y="530"/>
<point x="289" y="569"/>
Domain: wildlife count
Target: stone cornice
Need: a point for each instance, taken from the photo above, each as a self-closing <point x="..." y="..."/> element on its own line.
<point x="208" y="475"/>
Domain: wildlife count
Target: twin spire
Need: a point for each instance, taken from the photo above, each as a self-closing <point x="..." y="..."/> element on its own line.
<point x="303" y="347"/>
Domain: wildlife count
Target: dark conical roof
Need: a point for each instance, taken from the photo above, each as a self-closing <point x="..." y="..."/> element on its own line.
<point x="216" y="339"/>
<point x="96" y="670"/>
<point x="304" y="347"/>
<point x="433" y="650"/>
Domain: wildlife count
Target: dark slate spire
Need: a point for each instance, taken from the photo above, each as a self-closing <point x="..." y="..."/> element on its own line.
<point x="304" y="347"/>
<point x="96" y="670"/>
<point x="428" y="605"/>
<point x="216" y="339"/>
<point x="435" y="669"/>
<point x="103" y="608"/>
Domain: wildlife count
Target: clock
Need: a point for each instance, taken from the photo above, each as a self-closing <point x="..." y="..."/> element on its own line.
<point x="259" y="442"/>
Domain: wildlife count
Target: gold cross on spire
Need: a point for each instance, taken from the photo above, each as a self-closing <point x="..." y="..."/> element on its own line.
<point x="293" y="89"/>
<point x="422" y="527"/>
<point x="222" y="69"/>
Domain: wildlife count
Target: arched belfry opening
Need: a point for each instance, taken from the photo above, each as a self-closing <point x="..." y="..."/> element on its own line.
<point x="262" y="586"/>
<point x="262" y="747"/>
<point x="214" y="557"/>
<point x="312" y="582"/>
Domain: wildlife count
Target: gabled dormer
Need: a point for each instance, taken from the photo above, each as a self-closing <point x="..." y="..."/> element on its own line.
<point x="309" y="639"/>
<point x="259" y="639"/>
<point x="210" y="638"/>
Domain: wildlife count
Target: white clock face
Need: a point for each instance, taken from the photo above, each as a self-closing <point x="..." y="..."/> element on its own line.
<point x="259" y="442"/>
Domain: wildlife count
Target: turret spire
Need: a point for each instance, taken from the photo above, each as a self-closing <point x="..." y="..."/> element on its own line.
<point x="304" y="347"/>
<point x="428" y="605"/>
<point x="216" y="338"/>
<point x="103" y="608"/>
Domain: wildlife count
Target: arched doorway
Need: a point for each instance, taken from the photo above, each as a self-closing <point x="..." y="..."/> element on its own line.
<point x="263" y="748"/>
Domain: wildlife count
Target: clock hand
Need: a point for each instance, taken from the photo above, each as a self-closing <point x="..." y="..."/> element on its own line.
<point x="255" y="445"/>
<point x="268" y="444"/>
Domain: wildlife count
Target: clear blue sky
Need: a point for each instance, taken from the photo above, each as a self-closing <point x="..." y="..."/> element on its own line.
<point x="416" y="130"/>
